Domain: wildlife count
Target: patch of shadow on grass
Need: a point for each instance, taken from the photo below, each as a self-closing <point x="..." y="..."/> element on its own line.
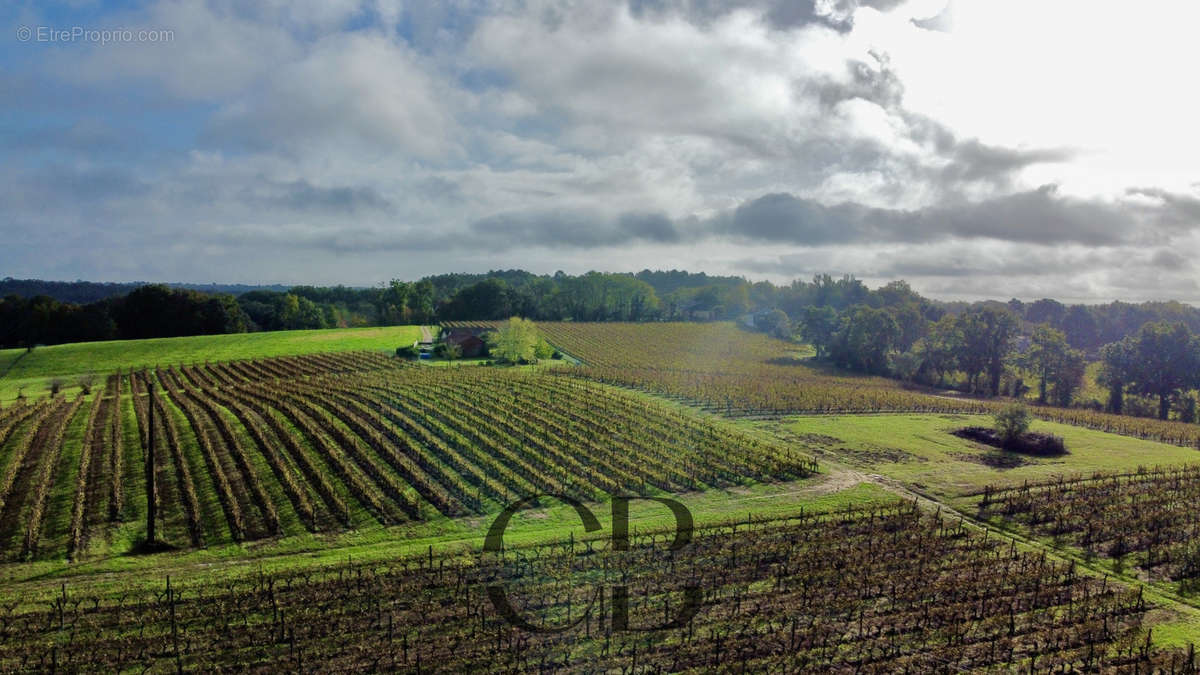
<point x="995" y="460"/>
<point x="144" y="547"/>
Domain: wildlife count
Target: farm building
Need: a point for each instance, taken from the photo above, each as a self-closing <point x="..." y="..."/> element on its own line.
<point x="469" y="340"/>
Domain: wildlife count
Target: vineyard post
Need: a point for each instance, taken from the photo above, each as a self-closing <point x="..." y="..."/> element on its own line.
<point x="150" y="501"/>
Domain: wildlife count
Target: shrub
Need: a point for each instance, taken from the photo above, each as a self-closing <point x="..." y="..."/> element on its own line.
<point x="407" y="352"/>
<point x="446" y="350"/>
<point x="1029" y="443"/>
<point x="86" y="382"/>
<point x="1012" y="421"/>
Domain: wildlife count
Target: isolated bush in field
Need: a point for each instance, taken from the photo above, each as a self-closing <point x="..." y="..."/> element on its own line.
<point x="55" y="386"/>
<point x="1012" y="421"/>
<point x="1029" y="443"/>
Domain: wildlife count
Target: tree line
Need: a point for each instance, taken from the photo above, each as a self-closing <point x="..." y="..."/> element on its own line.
<point x="989" y="349"/>
<point x="35" y="312"/>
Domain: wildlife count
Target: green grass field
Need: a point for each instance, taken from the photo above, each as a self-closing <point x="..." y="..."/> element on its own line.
<point x="920" y="451"/>
<point x="31" y="372"/>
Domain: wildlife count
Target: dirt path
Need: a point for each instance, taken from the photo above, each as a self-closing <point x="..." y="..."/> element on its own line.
<point x="831" y="479"/>
<point x="426" y="334"/>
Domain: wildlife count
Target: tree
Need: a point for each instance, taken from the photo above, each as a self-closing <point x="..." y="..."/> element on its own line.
<point x="1068" y="377"/>
<point x="159" y="311"/>
<point x="817" y="326"/>
<point x="1012" y="421"/>
<point x="298" y="312"/>
<point x="864" y="338"/>
<point x="897" y="293"/>
<point x="1079" y="324"/>
<point x="420" y="301"/>
<point x="393" y="301"/>
<point x="542" y="349"/>
<point x="1045" y="311"/>
<point x="905" y="365"/>
<point x="987" y="333"/>
<point x="912" y="323"/>
<point x="939" y="349"/>
<point x="1166" y="360"/>
<point x="1187" y="409"/>
<point x="735" y="301"/>
<point x="776" y="324"/>
<point x="1054" y="363"/>
<point x="1116" y="371"/>
<point x="515" y="342"/>
<point x="488" y="299"/>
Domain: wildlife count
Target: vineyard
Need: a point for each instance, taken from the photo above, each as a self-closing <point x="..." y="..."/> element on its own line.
<point x="887" y="590"/>
<point x="725" y="369"/>
<point x="247" y="450"/>
<point x="294" y="449"/>
<point x="1147" y="518"/>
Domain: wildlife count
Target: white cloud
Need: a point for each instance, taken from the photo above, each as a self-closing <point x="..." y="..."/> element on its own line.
<point x="355" y="93"/>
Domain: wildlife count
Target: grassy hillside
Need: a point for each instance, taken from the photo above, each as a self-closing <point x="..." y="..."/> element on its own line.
<point x="33" y="370"/>
<point x="920" y="451"/>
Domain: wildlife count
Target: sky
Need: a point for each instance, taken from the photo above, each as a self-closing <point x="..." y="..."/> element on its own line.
<point x="987" y="149"/>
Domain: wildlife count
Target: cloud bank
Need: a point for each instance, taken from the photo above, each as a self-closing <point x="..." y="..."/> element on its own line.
<point x="360" y="140"/>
